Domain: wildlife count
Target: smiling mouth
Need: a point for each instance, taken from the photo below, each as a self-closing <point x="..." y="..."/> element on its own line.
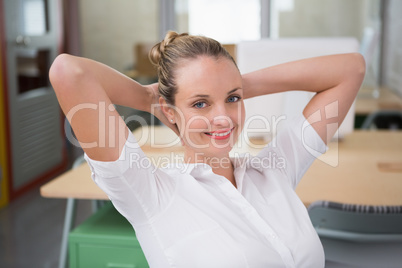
<point x="220" y="135"/>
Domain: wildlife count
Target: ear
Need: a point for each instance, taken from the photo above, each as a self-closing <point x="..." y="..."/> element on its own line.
<point x="167" y="109"/>
<point x="169" y="112"/>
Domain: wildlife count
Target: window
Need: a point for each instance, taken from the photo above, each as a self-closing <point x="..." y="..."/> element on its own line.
<point x="34" y="17"/>
<point x="226" y="21"/>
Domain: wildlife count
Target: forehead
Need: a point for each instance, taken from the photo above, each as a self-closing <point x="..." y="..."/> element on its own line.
<point x="207" y="75"/>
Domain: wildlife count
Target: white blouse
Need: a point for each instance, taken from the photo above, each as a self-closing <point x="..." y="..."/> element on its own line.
<point x="184" y="215"/>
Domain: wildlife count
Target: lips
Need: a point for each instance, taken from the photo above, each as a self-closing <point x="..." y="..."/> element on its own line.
<point x="220" y="134"/>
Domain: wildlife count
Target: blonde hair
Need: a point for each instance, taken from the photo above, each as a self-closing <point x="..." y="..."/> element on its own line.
<point x="167" y="55"/>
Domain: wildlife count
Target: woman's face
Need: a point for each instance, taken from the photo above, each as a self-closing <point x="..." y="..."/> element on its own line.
<point x="209" y="106"/>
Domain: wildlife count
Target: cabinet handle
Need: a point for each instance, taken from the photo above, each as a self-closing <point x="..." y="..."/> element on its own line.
<point x="121" y="265"/>
<point x="22" y="41"/>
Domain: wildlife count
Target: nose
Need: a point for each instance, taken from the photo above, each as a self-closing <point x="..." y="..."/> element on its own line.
<point x="222" y="121"/>
<point x="220" y="117"/>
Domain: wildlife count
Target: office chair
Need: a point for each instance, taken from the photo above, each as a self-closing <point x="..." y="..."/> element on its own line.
<point x="358" y="235"/>
<point x="384" y="119"/>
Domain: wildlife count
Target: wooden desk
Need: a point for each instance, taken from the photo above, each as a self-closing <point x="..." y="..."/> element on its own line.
<point x="368" y="170"/>
<point x="364" y="168"/>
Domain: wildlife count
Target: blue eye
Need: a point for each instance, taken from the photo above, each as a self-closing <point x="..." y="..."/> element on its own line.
<point x="233" y="98"/>
<point x="200" y="104"/>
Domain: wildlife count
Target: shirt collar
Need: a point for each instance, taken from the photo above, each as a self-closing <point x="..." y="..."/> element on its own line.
<point x="240" y="166"/>
<point x="204" y="171"/>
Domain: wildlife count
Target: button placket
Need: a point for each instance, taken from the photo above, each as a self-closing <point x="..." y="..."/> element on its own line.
<point x="251" y="214"/>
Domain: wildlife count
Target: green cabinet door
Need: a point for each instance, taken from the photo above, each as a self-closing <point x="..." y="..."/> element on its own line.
<point x="107" y="240"/>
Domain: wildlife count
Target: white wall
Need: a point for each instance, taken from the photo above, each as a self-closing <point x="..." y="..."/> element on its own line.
<point x="110" y="28"/>
<point x="322" y="18"/>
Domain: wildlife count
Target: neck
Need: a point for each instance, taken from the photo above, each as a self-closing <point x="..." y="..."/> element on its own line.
<point x="221" y="165"/>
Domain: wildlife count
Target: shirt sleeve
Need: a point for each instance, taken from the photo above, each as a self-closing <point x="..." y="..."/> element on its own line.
<point x="137" y="189"/>
<point x="296" y="146"/>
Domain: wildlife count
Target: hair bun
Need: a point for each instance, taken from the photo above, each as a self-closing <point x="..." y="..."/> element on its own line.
<point x="158" y="50"/>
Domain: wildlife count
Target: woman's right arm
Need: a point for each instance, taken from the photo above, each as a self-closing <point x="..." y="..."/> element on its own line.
<point x="86" y="91"/>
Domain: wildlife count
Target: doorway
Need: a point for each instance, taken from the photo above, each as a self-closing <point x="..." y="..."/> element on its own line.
<point x="32" y="30"/>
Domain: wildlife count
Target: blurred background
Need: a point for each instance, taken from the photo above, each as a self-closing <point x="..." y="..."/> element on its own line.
<point x="119" y="33"/>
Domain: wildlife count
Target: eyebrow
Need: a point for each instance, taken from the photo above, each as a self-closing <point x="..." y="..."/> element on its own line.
<point x="206" y="96"/>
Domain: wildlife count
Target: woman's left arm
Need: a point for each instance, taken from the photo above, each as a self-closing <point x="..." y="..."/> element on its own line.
<point x="336" y="79"/>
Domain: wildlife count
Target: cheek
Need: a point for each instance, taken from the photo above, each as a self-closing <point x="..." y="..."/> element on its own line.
<point x="191" y="122"/>
<point x="238" y="115"/>
<point x="243" y="114"/>
<point x="197" y="122"/>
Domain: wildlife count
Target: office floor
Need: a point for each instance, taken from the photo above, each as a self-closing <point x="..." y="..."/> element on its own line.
<point x="31" y="229"/>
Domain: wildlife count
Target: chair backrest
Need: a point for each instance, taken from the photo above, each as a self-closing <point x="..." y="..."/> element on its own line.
<point x="356" y="222"/>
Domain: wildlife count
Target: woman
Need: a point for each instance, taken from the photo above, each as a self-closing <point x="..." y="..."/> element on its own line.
<point x="214" y="212"/>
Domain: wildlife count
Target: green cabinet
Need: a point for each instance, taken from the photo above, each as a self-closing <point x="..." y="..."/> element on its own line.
<point x="107" y="240"/>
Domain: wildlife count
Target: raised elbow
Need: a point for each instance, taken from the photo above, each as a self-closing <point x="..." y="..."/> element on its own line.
<point x="360" y="64"/>
<point x="354" y="69"/>
<point x="64" y="71"/>
<point x="58" y="68"/>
